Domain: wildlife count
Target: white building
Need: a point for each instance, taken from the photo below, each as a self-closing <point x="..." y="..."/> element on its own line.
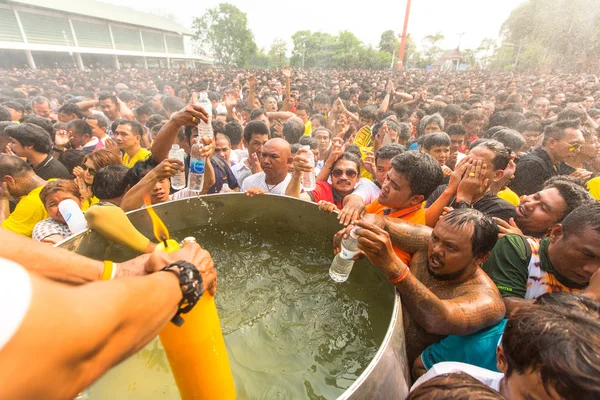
<point x="88" y="33"/>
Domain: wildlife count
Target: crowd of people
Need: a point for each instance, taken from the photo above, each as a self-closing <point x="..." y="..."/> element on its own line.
<point x="475" y="193"/>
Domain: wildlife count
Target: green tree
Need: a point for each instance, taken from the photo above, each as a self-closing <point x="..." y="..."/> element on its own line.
<point x="277" y="53"/>
<point x="565" y="29"/>
<point x="433" y="50"/>
<point x="388" y="42"/>
<point x="224" y="30"/>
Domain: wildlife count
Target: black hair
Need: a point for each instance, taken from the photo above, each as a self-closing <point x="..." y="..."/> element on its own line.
<point x="172" y="103"/>
<point x="529" y="125"/>
<point x="80" y="127"/>
<point x="321" y="128"/>
<point x="509" y="138"/>
<point x="368" y="112"/>
<point x="309" y="141"/>
<point x="320" y="118"/>
<point x="321" y="98"/>
<point x="136" y="128"/>
<point x="348" y="156"/>
<point x="5" y="115"/>
<point x="586" y="215"/>
<point x="101" y="120"/>
<point x="154" y="119"/>
<point x="71" y="109"/>
<point x="126" y="96"/>
<point x="436" y="139"/>
<point x="256" y="112"/>
<point x="42" y="122"/>
<point x="107" y="96"/>
<point x="559" y="340"/>
<point x="454" y="386"/>
<point x="109" y="182"/>
<point x="142" y="110"/>
<point x="14" y="166"/>
<point x="293" y="129"/>
<point x="421" y="170"/>
<point x="557" y="130"/>
<point x="72" y="158"/>
<point x="255" y="128"/>
<point x="485" y="230"/>
<point x="234" y="131"/>
<point x="456" y="129"/>
<point x="502" y="155"/>
<point x="31" y="135"/>
<point x="389" y="151"/>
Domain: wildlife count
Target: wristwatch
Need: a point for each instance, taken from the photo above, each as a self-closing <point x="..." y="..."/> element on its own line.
<point x="190" y="282"/>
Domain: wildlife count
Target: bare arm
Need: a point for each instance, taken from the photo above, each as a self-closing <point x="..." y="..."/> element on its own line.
<point x="479" y="306"/>
<point x="189" y="116"/>
<point x="209" y="176"/>
<point x="301" y="165"/>
<point x="85" y="106"/>
<point x="386" y="100"/>
<point x="284" y="115"/>
<point x="408" y="236"/>
<point x="434" y="212"/>
<point x="512" y="303"/>
<point x="252" y="84"/>
<point x="4" y="202"/>
<point x="287" y="73"/>
<point x="125" y="111"/>
<point x="104" y="335"/>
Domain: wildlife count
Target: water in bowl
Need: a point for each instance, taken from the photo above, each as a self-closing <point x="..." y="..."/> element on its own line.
<point x="291" y="332"/>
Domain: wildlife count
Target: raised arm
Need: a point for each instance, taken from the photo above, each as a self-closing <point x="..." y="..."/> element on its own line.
<point x="125" y="111"/>
<point x="301" y="165"/>
<point x="386" y="100"/>
<point x="479" y="305"/>
<point x="189" y="116"/>
<point x="408" y="236"/>
<point x="283" y="115"/>
<point x="287" y="73"/>
<point x="252" y="84"/>
<point x="85" y="106"/>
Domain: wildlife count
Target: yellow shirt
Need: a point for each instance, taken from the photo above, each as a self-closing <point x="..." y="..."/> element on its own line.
<point x="88" y="203"/>
<point x="308" y="128"/>
<point x="509" y="196"/>
<point x="593" y="186"/>
<point x="29" y="211"/>
<point x="141" y="155"/>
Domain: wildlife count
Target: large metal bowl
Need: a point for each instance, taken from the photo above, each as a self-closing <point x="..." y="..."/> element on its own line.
<point x="387" y="375"/>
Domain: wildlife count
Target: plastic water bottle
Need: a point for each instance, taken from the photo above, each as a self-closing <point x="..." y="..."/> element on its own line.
<point x="197" y="166"/>
<point x="73" y="216"/>
<point x="205" y="129"/>
<point x="178" y="181"/>
<point x="225" y="188"/>
<point x="342" y="263"/>
<point x="308" y="178"/>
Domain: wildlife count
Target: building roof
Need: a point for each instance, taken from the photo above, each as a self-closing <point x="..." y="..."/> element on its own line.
<point x="110" y="12"/>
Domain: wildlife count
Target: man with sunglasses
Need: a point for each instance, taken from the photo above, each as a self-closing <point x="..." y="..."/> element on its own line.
<point x="344" y="177"/>
<point x="561" y="140"/>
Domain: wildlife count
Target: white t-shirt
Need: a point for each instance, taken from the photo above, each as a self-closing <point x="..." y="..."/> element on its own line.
<point x="15" y="297"/>
<point x="367" y="190"/>
<point x="485" y="376"/>
<point x="258" y="181"/>
<point x="182" y="194"/>
<point x="241" y="172"/>
<point x="237" y="155"/>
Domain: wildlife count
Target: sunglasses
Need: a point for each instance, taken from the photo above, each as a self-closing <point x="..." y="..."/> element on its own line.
<point x="350" y="173"/>
<point x="92" y="171"/>
<point x="572" y="146"/>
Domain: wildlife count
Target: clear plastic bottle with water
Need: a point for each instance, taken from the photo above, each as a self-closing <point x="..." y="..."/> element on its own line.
<point x="342" y="263"/>
<point x="178" y="181"/>
<point x="225" y="188"/>
<point x="308" y="178"/>
<point x="197" y="162"/>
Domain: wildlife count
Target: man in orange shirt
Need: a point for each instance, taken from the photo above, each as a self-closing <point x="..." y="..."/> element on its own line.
<point x="410" y="181"/>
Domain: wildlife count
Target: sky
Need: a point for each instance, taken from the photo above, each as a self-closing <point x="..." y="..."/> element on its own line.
<point x="270" y="19"/>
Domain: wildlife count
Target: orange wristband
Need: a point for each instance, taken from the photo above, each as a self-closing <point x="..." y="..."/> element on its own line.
<point x="401" y="277"/>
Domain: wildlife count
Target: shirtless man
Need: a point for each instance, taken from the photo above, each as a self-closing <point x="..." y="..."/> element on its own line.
<point x="445" y="291"/>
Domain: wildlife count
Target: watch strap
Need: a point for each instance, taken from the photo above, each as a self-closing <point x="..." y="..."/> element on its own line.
<point x="190" y="282"/>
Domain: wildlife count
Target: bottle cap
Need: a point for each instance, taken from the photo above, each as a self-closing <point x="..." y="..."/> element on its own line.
<point x="189" y="239"/>
<point x="175" y="146"/>
<point x="353" y="234"/>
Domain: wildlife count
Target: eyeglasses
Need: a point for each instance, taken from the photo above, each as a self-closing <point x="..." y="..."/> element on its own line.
<point x="92" y="171"/>
<point x="572" y="146"/>
<point x="350" y="173"/>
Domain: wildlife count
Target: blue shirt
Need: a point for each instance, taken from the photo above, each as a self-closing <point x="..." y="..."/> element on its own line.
<point x="477" y="349"/>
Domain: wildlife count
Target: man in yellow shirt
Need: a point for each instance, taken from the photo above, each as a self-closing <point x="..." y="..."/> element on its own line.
<point x="128" y="135"/>
<point x="19" y="181"/>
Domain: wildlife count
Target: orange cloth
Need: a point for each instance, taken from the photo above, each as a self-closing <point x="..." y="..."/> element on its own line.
<point x="414" y="214"/>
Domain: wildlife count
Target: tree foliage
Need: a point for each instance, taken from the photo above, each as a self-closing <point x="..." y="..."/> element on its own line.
<point x="277" y="53"/>
<point x="433" y="51"/>
<point x="561" y="34"/>
<point x="388" y="42"/>
<point x="224" y="30"/>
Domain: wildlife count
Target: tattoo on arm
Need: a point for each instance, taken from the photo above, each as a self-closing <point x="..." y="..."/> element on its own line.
<point x="476" y="308"/>
<point x="409" y="237"/>
<point x="512" y="303"/>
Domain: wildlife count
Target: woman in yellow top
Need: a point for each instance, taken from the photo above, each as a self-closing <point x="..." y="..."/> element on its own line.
<point x="92" y="162"/>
